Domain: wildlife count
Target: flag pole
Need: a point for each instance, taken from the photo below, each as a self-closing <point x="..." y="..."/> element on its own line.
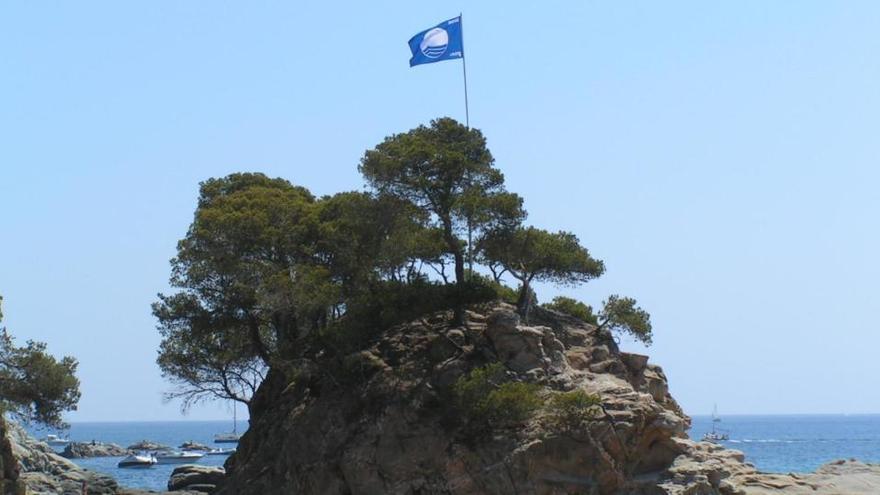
<point x="467" y="117"/>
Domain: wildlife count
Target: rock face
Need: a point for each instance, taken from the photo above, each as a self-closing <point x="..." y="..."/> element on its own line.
<point x="382" y="423"/>
<point x="388" y="430"/>
<point x="79" y="450"/>
<point x="203" y="479"/>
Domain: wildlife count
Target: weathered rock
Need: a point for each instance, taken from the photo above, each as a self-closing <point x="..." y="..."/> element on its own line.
<point x="392" y="432"/>
<point x="705" y="468"/>
<point x="78" y="450"/>
<point x="44" y="472"/>
<point x="196" y="478"/>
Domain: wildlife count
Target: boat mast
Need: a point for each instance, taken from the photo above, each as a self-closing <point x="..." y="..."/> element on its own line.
<point x="715" y="418"/>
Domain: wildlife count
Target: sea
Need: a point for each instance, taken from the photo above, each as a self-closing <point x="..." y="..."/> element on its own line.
<point x="781" y="444"/>
<point x="171" y="433"/>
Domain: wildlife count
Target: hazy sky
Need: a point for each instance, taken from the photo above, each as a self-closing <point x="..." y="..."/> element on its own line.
<point x="721" y="159"/>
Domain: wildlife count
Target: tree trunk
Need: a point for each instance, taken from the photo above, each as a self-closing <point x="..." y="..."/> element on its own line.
<point x="524" y="304"/>
<point x="455" y="248"/>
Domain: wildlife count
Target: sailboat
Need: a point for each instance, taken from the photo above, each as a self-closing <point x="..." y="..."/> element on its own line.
<point x="715" y="435"/>
<point x="232" y="437"/>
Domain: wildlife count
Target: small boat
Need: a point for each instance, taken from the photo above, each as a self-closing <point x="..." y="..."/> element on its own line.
<point x="220" y="452"/>
<point x="172" y="457"/>
<point x="56" y="440"/>
<point x="227" y="437"/>
<point x="715" y="436"/>
<point x="137" y="461"/>
<point x="232" y="437"/>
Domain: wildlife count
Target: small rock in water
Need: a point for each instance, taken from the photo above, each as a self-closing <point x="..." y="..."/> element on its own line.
<point x="79" y="450"/>
<point x="147" y="445"/>
<point x="194" y="446"/>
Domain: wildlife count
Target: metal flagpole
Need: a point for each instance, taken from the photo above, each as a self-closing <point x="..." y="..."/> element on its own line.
<point x="467" y="117"/>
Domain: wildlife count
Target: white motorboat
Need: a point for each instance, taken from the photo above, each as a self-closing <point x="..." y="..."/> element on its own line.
<point x="220" y="452"/>
<point x="716" y="436"/>
<point x="174" y="457"/>
<point x="137" y="461"/>
<point x="56" y="441"/>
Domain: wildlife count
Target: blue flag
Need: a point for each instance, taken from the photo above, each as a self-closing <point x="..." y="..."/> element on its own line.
<point x="441" y="42"/>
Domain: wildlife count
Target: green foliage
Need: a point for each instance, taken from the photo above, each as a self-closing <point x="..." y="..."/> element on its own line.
<point x="532" y="254"/>
<point x="392" y="302"/>
<point x="502" y="292"/>
<point x="571" y="412"/>
<point x="621" y="314"/>
<point x="447" y="171"/>
<point x="246" y="281"/>
<point x="486" y="400"/>
<point x="267" y="273"/>
<point x="34" y="386"/>
<point x="572" y="307"/>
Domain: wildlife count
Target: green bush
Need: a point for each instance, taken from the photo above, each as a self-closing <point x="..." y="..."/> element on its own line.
<point x="390" y="303"/>
<point x="572" y="411"/>
<point x="501" y="292"/>
<point x="487" y="400"/>
<point x="572" y="307"/>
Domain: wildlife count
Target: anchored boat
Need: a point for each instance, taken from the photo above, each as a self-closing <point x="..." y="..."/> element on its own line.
<point x="137" y="461"/>
<point x="56" y="441"/>
<point x="716" y="435"/>
<point x="172" y="457"/>
<point x="232" y="437"/>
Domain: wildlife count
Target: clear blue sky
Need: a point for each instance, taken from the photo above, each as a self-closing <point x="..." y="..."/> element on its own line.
<point x="722" y="158"/>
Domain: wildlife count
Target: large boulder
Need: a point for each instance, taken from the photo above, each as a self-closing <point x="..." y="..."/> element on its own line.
<point x="196" y="478"/>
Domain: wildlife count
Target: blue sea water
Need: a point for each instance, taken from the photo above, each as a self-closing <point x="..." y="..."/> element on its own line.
<point x="798" y="443"/>
<point x="772" y="443"/>
<point x="171" y="433"/>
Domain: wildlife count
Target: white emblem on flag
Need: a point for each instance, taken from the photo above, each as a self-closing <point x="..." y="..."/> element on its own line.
<point x="434" y="43"/>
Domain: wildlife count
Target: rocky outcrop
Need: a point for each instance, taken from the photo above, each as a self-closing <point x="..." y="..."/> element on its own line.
<point x="79" y="450"/>
<point x="194" y="478"/>
<point x="709" y="469"/>
<point x="43" y="472"/>
<point x="194" y="446"/>
<point x="387" y="426"/>
<point x="145" y="445"/>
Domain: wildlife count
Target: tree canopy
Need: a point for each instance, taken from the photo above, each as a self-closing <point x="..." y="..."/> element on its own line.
<point x="34" y="385"/>
<point x="621" y="314"/>
<point x="268" y="274"/>
<point x="531" y="254"/>
<point x="446" y="170"/>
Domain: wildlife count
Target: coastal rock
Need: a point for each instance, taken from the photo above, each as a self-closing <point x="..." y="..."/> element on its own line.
<point x="705" y="468"/>
<point x="78" y="450"/>
<point x="392" y="432"/>
<point x="194" y="446"/>
<point x="43" y="472"/>
<point x="196" y="478"/>
<point x="145" y="445"/>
